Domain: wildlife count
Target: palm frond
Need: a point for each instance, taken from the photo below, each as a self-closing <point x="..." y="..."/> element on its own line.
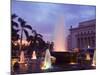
<point x="30" y="38"/>
<point x="13" y="16"/>
<point x="14" y="31"/>
<point x="39" y="35"/>
<point x="34" y="31"/>
<point x="14" y="24"/>
<point x="26" y="33"/>
<point x="22" y="22"/>
<point x="28" y="26"/>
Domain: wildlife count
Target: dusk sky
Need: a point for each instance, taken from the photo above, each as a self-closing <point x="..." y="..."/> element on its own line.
<point x="44" y="16"/>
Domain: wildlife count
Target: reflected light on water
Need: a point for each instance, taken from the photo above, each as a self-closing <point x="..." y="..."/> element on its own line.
<point x="72" y="63"/>
<point x="45" y="66"/>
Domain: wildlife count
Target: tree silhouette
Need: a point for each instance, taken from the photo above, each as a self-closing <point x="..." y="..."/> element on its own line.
<point x="38" y="43"/>
<point x="14" y="35"/>
<point x="35" y="39"/>
<point x="23" y="29"/>
<point x="14" y="31"/>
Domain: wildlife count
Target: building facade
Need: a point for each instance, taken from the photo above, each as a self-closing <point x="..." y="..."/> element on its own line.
<point x="84" y="36"/>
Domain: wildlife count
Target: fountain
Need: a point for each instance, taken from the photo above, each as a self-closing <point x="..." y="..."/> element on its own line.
<point x="22" y="64"/>
<point x="60" y="42"/>
<point x="47" y="60"/>
<point x="88" y="56"/>
<point x="59" y="39"/>
<point x="94" y="59"/>
<point x="34" y="55"/>
<point x="22" y="57"/>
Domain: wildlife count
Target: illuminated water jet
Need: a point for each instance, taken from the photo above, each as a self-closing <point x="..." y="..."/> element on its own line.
<point x="47" y="60"/>
<point x="34" y="55"/>
<point x="22" y="57"/>
<point x="59" y="38"/>
<point x="94" y="59"/>
<point x="88" y="56"/>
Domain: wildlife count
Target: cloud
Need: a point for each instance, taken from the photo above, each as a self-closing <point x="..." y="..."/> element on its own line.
<point x="43" y="16"/>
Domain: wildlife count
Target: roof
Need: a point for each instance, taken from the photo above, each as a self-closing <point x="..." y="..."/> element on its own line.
<point x="85" y="24"/>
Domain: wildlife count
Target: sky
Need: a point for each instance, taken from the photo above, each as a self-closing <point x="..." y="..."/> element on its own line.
<point x="44" y="16"/>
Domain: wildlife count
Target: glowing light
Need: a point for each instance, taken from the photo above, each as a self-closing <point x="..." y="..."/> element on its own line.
<point x="34" y="55"/>
<point x="15" y="43"/>
<point x="24" y="42"/>
<point x="72" y="63"/>
<point x="13" y="61"/>
<point x="88" y="56"/>
<point x="94" y="63"/>
<point x="26" y="65"/>
<point x="88" y="46"/>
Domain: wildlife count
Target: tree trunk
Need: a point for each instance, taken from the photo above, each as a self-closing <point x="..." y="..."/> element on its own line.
<point x="21" y="39"/>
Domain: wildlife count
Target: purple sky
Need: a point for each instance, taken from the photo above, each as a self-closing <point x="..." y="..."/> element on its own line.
<point x="43" y="16"/>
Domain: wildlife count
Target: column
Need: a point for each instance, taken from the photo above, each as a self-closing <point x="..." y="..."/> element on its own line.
<point x="78" y="42"/>
<point x="91" y="42"/>
<point x="81" y="42"/>
<point x="86" y="42"/>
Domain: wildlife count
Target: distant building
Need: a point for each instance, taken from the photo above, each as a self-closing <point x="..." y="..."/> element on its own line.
<point x="84" y="36"/>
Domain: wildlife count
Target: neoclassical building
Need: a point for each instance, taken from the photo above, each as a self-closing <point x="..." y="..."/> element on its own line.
<point x="84" y="36"/>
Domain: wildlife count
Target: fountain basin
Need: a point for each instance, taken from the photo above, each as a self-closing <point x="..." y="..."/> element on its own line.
<point x="65" y="57"/>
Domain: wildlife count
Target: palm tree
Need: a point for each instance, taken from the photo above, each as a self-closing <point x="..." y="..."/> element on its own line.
<point x="36" y="36"/>
<point x="14" y="34"/>
<point x="14" y="31"/>
<point x="38" y="44"/>
<point x="23" y="29"/>
<point x="21" y="26"/>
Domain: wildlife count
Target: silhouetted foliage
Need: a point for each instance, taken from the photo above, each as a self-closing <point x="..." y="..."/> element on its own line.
<point x="35" y="39"/>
